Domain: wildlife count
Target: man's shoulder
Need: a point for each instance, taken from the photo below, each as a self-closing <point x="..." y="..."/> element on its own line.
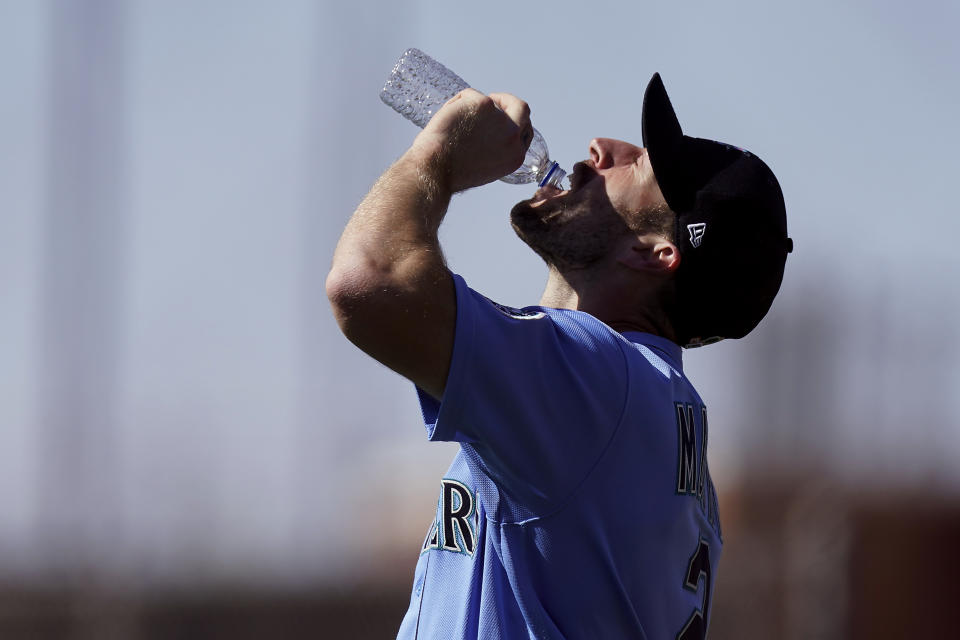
<point x="527" y="331"/>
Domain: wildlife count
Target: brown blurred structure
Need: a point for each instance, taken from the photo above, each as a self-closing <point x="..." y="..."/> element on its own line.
<point x="803" y="560"/>
<point x="75" y="615"/>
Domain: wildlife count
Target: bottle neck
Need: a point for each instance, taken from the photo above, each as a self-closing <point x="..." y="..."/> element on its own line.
<point x="553" y="177"/>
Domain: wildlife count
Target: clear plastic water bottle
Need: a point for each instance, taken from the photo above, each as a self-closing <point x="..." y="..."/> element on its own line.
<point x="419" y="85"/>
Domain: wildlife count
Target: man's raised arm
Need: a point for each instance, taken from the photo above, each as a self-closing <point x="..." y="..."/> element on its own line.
<point x="389" y="286"/>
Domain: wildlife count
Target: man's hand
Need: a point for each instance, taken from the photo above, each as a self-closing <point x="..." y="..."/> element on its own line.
<point x="475" y="139"/>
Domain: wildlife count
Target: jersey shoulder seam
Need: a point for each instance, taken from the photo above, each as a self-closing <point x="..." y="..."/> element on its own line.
<point x="562" y="503"/>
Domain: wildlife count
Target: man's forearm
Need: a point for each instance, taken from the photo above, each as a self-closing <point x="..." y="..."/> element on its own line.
<point x="397" y="220"/>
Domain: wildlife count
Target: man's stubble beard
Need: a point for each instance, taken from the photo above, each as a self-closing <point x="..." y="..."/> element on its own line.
<point x="567" y="233"/>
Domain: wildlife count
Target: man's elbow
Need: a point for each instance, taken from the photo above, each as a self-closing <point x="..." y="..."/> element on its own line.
<point x="402" y="318"/>
<point x="367" y="296"/>
<point x="348" y="290"/>
<point x="361" y="295"/>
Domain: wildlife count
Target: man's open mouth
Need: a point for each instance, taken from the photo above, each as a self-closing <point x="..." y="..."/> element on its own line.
<point x="546" y="192"/>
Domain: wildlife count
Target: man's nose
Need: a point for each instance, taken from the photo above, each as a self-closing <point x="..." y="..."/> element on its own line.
<point x="607" y="153"/>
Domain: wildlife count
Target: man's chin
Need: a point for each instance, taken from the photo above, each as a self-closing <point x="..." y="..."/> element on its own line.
<point x="545" y="204"/>
<point x="534" y="221"/>
<point x="530" y="215"/>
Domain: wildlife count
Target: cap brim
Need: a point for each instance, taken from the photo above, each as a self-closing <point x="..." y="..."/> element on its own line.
<point x="681" y="164"/>
<point x="659" y="123"/>
<point x="663" y="139"/>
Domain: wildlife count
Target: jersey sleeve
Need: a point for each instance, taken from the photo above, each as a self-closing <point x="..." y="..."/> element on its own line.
<point x="536" y="393"/>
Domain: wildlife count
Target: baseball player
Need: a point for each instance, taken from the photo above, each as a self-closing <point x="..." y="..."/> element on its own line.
<point x="580" y="503"/>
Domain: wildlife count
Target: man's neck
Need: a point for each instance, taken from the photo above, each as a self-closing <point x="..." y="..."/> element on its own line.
<point x="578" y="291"/>
<point x="559" y="293"/>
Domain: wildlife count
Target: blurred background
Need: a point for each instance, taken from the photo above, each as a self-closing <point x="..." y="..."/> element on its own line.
<point x="190" y="449"/>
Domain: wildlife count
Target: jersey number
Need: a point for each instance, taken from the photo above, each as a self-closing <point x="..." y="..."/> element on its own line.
<point x="696" y="627"/>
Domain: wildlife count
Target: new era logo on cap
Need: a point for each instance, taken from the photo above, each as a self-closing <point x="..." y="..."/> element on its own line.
<point x="696" y="233"/>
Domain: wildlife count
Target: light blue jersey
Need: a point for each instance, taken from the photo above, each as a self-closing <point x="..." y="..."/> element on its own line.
<point x="580" y="504"/>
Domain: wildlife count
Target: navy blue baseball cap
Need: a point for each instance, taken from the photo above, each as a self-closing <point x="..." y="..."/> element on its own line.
<point x="731" y="226"/>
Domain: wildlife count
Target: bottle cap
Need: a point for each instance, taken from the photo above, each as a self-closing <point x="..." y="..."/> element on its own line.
<point x="554" y="176"/>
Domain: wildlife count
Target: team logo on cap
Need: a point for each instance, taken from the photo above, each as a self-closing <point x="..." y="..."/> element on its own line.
<point x="696" y="233"/>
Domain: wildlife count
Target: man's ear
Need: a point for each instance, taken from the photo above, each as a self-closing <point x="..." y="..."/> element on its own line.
<point x="650" y="253"/>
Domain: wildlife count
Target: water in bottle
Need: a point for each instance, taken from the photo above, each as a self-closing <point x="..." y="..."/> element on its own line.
<point x="419" y="85"/>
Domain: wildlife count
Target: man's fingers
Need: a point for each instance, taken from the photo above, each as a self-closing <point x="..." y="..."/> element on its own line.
<point x="527" y="135"/>
<point x="469" y="92"/>
<point x="483" y="137"/>
<point x="515" y="108"/>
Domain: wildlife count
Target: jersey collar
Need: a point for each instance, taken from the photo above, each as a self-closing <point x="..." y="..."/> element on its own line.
<point x="663" y="346"/>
